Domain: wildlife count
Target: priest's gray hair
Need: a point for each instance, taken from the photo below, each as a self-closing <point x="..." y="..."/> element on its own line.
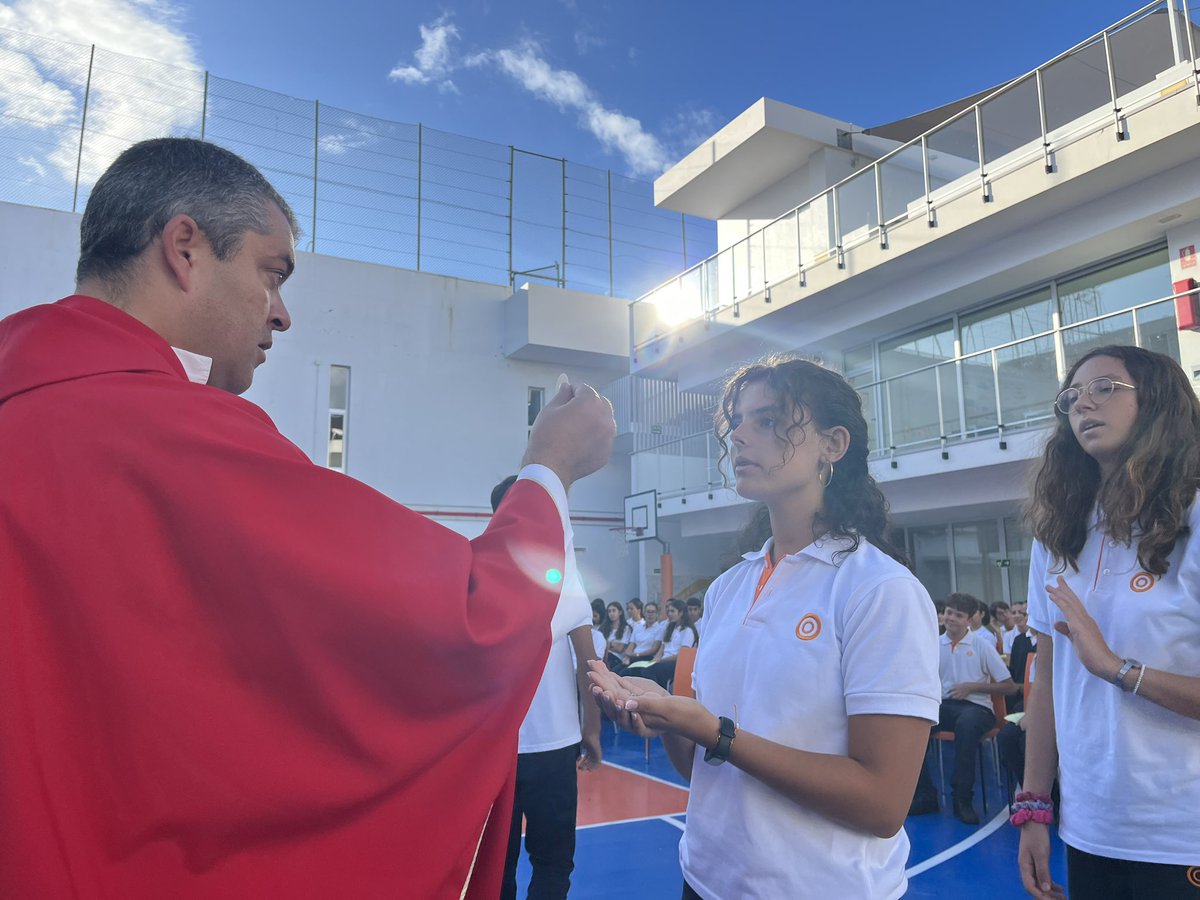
<point x="154" y="181"/>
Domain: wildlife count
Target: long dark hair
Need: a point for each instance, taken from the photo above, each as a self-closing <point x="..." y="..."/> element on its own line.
<point x="606" y="625"/>
<point x="854" y="507"/>
<point x="685" y="621"/>
<point x="1151" y="488"/>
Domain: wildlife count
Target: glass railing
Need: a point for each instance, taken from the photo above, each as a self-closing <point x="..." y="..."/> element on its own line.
<point x="1093" y="86"/>
<point x="991" y="392"/>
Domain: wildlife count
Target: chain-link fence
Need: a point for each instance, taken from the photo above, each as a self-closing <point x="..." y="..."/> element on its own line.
<point x="362" y="188"/>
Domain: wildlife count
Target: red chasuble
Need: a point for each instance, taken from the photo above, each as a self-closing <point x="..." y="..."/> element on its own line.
<point x="226" y="672"/>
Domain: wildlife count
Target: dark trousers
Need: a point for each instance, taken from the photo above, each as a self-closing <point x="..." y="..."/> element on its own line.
<point x="661" y="673"/>
<point x="689" y="893"/>
<point x="969" y="722"/>
<point x="1100" y="878"/>
<point x="547" y="796"/>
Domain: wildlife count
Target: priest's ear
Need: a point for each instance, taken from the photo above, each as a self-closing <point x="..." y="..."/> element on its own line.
<point x="184" y="248"/>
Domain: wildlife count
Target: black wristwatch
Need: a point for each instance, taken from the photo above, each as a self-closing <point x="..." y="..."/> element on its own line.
<point x="725" y="736"/>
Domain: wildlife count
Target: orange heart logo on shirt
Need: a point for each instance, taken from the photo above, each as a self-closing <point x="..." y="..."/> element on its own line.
<point x="808" y="627"/>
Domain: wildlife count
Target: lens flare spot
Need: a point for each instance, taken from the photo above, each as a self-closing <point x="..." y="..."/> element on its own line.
<point x="553" y="576"/>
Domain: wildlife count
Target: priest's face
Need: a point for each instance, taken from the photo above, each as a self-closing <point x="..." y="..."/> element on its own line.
<point x="243" y="304"/>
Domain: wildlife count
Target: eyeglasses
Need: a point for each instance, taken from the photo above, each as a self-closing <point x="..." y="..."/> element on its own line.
<point x="1098" y="391"/>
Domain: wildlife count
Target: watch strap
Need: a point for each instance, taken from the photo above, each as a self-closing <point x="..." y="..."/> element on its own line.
<point x="725" y="735"/>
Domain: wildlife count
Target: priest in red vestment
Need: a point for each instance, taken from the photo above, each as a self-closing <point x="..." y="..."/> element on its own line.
<point x="224" y="671"/>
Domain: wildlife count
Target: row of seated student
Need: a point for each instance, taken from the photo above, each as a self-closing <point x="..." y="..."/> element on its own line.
<point x="1007" y="627"/>
<point x="639" y="640"/>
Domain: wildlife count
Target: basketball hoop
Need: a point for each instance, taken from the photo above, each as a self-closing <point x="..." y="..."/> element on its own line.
<point x="632" y="533"/>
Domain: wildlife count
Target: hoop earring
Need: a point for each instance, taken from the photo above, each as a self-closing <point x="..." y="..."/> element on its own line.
<point x="825" y="481"/>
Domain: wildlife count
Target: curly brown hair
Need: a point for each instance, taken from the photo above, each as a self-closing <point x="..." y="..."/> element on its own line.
<point x="854" y="507"/>
<point x="1151" y="488"/>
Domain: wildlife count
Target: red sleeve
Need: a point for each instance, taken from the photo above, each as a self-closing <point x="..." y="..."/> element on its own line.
<point x="227" y="671"/>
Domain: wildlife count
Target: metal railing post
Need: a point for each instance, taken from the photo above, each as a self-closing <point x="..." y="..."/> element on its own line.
<point x="925" y="170"/>
<point x="983" y="179"/>
<point x="1041" y="95"/>
<point x="87" y="93"/>
<point x="1112" y="86"/>
<point x="1173" y="24"/>
<point x="420" y="176"/>
<point x="610" y="237"/>
<point x="312" y="246"/>
<point x="999" y="402"/>
<point x="879" y="206"/>
<point x="1191" y="43"/>
<point x="683" y="237"/>
<point x="562" y="283"/>
<point x="204" y="107"/>
<point x="837" y="227"/>
<point x="511" y="174"/>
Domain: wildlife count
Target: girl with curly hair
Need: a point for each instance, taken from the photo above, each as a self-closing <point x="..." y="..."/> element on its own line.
<point x="817" y="679"/>
<point x="1114" y="589"/>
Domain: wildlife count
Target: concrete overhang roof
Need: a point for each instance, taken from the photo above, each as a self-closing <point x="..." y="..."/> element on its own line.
<point x="763" y="145"/>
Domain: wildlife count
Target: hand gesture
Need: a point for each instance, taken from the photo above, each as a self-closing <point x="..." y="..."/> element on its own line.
<point x="614" y="692"/>
<point x="961" y="691"/>
<point x="1033" y="859"/>
<point x="573" y="434"/>
<point x="590" y="754"/>
<point x="1083" y="632"/>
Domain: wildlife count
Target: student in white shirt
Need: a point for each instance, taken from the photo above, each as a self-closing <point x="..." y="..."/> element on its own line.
<point x="971" y="672"/>
<point x="1114" y="593"/>
<point x="680" y="632"/>
<point x="816" y="678"/>
<point x="645" y="642"/>
<point x="695" y="610"/>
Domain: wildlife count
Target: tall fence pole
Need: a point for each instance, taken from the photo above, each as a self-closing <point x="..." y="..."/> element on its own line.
<point x="316" y="155"/>
<point x="420" y="163"/>
<point x="512" y="152"/>
<point x="87" y="93"/>
<point x="204" y="107"/>
<point x="683" y="236"/>
<point x="563" y="274"/>
<point x="610" y="241"/>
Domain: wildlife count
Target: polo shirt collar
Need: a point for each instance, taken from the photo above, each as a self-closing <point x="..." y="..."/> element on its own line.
<point x="822" y="550"/>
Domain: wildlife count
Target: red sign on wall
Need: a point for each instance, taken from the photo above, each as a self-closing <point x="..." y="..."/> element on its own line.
<point x="1187" y="257"/>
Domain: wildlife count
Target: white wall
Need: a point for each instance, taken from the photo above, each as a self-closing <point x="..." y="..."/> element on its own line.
<point x="437" y="415"/>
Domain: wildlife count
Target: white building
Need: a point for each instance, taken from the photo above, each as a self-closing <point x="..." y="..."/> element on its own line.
<point x="952" y="265"/>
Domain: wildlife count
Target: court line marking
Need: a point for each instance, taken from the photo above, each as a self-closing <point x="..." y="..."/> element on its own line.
<point x="671" y="820"/>
<point x="950" y="852"/>
<point x="657" y="818"/>
<point x="681" y="787"/>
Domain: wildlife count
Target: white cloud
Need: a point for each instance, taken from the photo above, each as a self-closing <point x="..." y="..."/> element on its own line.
<point x="617" y="132"/>
<point x="432" y="60"/>
<point x="129" y="100"/>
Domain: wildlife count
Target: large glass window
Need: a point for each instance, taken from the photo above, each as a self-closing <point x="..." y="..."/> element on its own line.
<point x="919" y="404"/>
<point x="931" y="559"/>
<point x="1017" y="543"/>
<point x="977" y="560"/>
<point x="1115" y="287"/>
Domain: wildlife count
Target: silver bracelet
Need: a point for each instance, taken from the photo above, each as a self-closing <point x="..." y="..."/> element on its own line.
<point x="1137" y="684"/>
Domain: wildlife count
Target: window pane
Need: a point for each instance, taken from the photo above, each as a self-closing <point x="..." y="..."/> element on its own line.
<point x="337" y="440"/>
<point x="537" y="396"/>
<point x="1079" y="340"/>
<point x="1012" y="320"/>
<point x="339" y="387"/>
<point x="917" y="350"/>
<point x="1018" y="542"/>
<point x="976" y="554"/>
<point x="931" y="559"/>
<point x="1115" y="287"/>
<point x="1160" y="329"/>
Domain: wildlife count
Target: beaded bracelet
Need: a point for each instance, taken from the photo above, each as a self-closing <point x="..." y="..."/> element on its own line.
<point x="1030" y="807"/>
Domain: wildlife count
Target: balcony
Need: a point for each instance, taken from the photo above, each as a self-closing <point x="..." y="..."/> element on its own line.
<point x="1064" y="120"/>
<point x="981" y="398"/>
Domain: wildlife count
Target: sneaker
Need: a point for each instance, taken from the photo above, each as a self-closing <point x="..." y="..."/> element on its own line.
<point x="965" y="812"/>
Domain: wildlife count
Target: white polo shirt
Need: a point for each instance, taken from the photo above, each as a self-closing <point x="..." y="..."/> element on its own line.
<point x="552" y="721"/>
<point x="646" y="636"/>
<point x="973" y="659"/>
<point x="829" y="637"/>
<point x="1129" y="769"/>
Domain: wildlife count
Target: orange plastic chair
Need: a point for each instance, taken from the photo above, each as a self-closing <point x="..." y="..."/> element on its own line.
<point x="1028" y="683"/>
<point x="1000" y="708"/>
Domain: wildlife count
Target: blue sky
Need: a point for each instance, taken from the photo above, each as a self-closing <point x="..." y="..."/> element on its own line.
<point x="613" y="84"/>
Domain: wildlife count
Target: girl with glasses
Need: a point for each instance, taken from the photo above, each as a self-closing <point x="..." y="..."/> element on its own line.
<point x="1114" y="592"/>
